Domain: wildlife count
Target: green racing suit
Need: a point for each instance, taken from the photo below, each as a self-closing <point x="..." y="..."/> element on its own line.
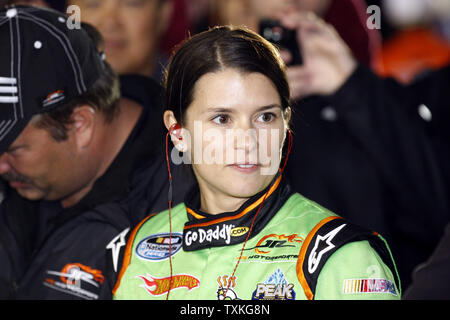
<point x="296" y="250"/>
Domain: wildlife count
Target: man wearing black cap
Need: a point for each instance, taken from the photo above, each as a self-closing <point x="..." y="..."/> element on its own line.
<point x="77" y="158"/>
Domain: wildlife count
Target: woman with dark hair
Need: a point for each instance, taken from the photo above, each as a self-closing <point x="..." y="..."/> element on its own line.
<point x="242" y="233"/>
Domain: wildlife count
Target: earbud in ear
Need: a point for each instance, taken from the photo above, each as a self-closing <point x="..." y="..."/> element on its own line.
<point x="175" y="129"/>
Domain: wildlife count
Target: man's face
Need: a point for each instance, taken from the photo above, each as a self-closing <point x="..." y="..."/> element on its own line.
<point x="39" y="167"/>
<point x="131" y="29"/>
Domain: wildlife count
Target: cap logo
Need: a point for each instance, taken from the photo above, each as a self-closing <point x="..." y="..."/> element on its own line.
<point x="53" y="98"/>
<point x="8" y="90"/>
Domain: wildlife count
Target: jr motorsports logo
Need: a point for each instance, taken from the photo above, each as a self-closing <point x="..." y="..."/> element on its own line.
<point x="76" y="279"/>
<point x="274" y="248"/>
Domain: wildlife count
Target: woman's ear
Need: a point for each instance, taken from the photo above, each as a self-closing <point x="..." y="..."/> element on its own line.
<point x="169" y="119"/>
<point x="176" y="135"/>
<point x="287" y="115"/>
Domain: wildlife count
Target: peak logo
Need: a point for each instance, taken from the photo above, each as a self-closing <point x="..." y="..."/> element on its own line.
<point x="276" y="287"/>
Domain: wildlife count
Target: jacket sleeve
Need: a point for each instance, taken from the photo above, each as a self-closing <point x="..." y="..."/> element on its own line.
<point x="321" y="257"/>
<point x="79" y="261"/>
<point x="356" y="272"/>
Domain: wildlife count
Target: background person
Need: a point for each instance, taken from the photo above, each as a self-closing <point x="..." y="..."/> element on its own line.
<point x="401" y="131"/>
<point x="132" y="31"/>
<point x="416" y="38"/>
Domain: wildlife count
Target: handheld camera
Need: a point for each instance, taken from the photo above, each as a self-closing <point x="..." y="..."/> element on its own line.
<point x="282" y="38"/>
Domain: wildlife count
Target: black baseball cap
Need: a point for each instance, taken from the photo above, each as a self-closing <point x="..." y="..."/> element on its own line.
<point x="44" y="63"/>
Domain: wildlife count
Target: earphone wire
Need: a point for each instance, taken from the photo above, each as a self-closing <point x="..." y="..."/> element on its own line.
<point x="169" y="196"/>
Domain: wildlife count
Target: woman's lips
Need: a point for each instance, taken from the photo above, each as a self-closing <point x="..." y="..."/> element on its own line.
<point x="245" y="168"/>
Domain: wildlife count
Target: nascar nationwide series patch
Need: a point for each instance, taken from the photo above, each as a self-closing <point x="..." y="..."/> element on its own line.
<point x="159" y="247"/>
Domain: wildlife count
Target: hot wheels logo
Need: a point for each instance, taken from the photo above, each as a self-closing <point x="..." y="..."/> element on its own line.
<point x="160" y="286"/>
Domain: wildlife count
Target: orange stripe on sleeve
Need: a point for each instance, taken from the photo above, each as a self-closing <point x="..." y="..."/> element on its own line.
<point x="128" y="249"/>
<point x="302" y="256"/>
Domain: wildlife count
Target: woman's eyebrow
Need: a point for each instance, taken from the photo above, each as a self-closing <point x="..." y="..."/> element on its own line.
<point x="231" y="110"/>
<point x="271" y="106"/>
<point x="219" y="110"/>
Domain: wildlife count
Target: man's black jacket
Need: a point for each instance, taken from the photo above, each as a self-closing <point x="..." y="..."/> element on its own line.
<point x="75" y="253"/>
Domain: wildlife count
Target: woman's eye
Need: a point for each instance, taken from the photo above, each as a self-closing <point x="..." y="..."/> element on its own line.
<point x="222" y="119"/>
<point x="266" y="117"/>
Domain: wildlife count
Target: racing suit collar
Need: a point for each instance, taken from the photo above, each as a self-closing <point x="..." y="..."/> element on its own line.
<point x="203" y="230"/>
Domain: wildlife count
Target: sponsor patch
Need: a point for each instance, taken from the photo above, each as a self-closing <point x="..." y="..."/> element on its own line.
<point x="275" y="248"/>
<point x="239" y="231"/>
<point x="157" y="247"/>
<point x="276" y="287"/>
<point x="53" y="98"/>
<point x="219" y="233"/>
<point x="322" y="245"/>
<point x="353" y="286"/>
<point x="273" y="241"/>
<point x="160" y="286"/>
<point x="76" y="279"/>
<point x="115" y="246"/>
<point x="225" y="291"/>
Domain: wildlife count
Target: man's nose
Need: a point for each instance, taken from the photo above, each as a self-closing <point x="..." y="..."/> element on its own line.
<point x="4" y="165"/>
